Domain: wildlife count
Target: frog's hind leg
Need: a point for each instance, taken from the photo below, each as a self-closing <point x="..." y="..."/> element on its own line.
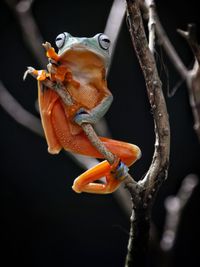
<point x="86" y="181"/>
<point x="47" y="98"/>
<point x="126" y="154"/>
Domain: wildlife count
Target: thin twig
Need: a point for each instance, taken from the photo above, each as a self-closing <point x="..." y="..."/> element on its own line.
<point x="194" y="96"/>
<point x="151" y="25"/>
<point x="29" y="28"/>
<point x="191" y="36"/>
<point x="171" y="52"/>
<point x="129" y="182"/>
<point x="192" y="77"/>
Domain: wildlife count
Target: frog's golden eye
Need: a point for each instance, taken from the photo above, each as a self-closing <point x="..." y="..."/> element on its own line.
<point x="104" y="41"/>
<point x="60" y="40"/>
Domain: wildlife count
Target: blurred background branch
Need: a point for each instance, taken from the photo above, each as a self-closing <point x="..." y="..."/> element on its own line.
<point x="31" y="33"/>
<point x="175" y="206"/>
<point x="191" y="76"/>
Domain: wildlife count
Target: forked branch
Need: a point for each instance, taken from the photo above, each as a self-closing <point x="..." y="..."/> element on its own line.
<point x="158" y="169"/>
<point x="157" y="173"/>
<point x="192" y="77"/>
<point x="191" y="36"/>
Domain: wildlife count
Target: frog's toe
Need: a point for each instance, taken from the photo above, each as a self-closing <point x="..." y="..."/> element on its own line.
<point x="30" y="70"/>
<point x="121" y="171"/>
<point x="40" y="75"/>
<point x="46" y="45"/>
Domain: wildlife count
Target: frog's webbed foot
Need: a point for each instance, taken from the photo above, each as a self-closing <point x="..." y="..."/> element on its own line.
<point x="86" y="182"/>
<point x="114" y="174"/>
<point x="40" y="75"/>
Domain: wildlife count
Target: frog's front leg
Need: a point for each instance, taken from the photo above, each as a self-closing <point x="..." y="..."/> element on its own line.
<point x="51" y="53"/>
<point x="94" y="115"/>
<point x="58" y="71"/>
<point x="40" y="75"/>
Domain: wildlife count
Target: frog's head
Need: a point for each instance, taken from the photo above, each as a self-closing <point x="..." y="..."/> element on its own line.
<point x="98" y="45"/>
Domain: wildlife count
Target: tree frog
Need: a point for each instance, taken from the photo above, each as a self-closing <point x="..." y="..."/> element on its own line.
<point x="81" y="65"/>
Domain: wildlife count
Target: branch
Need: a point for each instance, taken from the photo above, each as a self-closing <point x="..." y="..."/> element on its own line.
<point x="129" y="182"/>
<point x="154" y="90"/>
<point x="18" y="113"/>
<point x="113" y="25"/>
<point x="157" y="173"/>
<point x="194" y="97"/>
<point x="174" y="208"/>
<point x="170" y="50"/>
<point x="191" y="37"/>
<point x="192" y="77"/>
<point x="29" y="28"/>
<point x="152" y="23"/>
<point x="164" y="40"/>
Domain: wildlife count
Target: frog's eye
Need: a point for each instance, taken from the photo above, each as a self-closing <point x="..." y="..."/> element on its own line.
<point x="104" y="41"/>
<point x="60" y="40"/>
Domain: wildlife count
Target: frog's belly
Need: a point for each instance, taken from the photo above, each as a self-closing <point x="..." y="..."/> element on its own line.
<point x="86" y="95"/>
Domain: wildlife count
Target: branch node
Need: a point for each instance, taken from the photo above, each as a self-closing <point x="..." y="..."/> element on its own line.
<point x="191" y="37"/>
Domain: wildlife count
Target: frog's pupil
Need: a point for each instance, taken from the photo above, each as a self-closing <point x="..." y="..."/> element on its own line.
<point x="60" y="39"/>
<point x="106" y="40"/>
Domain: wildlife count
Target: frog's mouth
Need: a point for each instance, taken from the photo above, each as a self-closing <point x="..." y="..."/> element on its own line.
<point x="80" y="50"/>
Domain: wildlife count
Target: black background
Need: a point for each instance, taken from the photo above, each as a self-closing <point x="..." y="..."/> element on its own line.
<point x="43" y="222"/>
